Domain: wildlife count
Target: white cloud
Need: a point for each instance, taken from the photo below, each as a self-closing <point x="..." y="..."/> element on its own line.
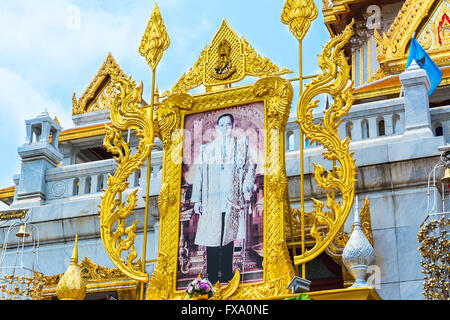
<point x="20" y="100"/>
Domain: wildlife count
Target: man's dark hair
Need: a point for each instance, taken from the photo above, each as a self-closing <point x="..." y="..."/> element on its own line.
<point x="226" y="115"/>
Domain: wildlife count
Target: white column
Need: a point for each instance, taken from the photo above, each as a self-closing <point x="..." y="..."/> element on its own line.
<point x="389" y="130"/>
<point x="82" y="188"/>
<point x="373" y="127"/>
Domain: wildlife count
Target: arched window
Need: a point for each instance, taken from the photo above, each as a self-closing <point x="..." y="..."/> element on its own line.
<point x="438" y="130"/>
<point x="307" y="144"/>
<point x="100" y="183"/>
<point x="381" y="127"/>
<point x="364" y="129"/>
<point x="348" y="129"/>
<point x="87" y="186"/>
<point x="76" y="186"/>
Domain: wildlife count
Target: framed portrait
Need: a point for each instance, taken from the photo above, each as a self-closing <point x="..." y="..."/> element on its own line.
<point x="223" y="198"/>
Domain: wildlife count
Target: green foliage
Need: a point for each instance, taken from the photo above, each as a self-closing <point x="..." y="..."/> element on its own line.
<point x="301" y="296"/>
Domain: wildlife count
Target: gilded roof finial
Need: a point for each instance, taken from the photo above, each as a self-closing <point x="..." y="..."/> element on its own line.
<point x="156" y="94"/>
<point x="71" y="286"/>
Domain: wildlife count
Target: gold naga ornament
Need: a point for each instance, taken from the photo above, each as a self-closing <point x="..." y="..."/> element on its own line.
<point x="334" y="81"/>
<point x="129" y="112"/>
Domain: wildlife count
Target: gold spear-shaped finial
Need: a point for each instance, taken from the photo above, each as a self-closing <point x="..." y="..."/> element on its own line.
<point x="299" y="14"/>
<point x="155" y="40"/>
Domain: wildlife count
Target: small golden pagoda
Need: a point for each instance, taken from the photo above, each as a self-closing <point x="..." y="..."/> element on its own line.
<point x="71" y="286"/>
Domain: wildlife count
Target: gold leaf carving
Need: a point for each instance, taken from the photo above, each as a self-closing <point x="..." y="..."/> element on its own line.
<point x="90" y="272"/>
<point x="225" y="292"/>
<point x="166" y="199"/>
<point x="155" y="40"/>
<point x="160" y="280"/>
<point x="169" y="115"/>
<point x="225" y="38"/>
<point x="415" y="16"/>
<point x="279" y="98"/>
<point x="279" y="185"/>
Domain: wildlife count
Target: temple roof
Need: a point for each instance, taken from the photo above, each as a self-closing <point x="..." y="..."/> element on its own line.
<point x="97" y="96"/>
<point x="429" y="21"/>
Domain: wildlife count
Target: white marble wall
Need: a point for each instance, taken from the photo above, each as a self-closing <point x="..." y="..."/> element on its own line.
<point x="392" y="172"/>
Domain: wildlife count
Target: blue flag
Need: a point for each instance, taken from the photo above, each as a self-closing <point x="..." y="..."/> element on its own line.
<point x="416" y="52"/>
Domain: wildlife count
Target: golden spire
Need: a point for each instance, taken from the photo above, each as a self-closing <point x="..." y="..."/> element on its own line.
<point x="71" y="286"/>
<point x="155" y="40"/>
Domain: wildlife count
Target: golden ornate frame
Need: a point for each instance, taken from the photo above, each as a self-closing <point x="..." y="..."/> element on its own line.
<point x="277" y="94"/>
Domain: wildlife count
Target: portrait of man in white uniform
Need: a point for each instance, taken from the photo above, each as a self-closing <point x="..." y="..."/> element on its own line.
<point x="222" y="195"/>
<point x="222" y="187"/>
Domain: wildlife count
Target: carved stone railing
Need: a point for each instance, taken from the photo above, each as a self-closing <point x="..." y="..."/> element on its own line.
<point x="364" y="121"/>
<point x="91" y="178"/>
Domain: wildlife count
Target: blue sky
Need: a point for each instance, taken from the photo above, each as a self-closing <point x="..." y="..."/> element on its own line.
<point x="50" y="49"/>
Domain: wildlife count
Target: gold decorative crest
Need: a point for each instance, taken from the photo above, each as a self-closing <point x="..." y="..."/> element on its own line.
<point x="224" y="67"/>
<point x="227" y="59"/>
<point x="224" y="58"/>
<point x="299" y="14"/>
<point x="435" y="36"/>
<point x="155" y="39"/>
